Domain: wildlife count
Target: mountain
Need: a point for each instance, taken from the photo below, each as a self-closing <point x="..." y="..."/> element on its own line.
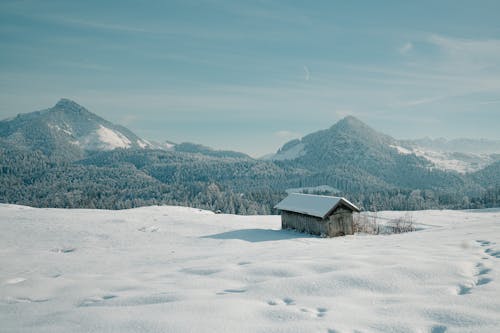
<point x="449" y="160"/>
<point x="66" y="156"/>
<point x="352" y="156"/>
<point x="188" y="147"/>
<point x="461" y="155"/>
<point x="67" y="129"/>
<point x="351" y="141"/>
<point x="489" y="176"/>
<point x="342" y="139"/>
<point x="462" y="145"/>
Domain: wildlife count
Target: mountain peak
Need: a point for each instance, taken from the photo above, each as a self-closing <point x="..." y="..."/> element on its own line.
<point x="350" y="121"/>
<point x="66" y="104"/>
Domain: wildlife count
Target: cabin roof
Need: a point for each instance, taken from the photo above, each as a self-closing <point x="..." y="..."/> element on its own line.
<point x="313" y="205"/>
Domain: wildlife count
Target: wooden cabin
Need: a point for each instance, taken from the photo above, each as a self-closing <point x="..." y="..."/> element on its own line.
<point x="317" y="214"/>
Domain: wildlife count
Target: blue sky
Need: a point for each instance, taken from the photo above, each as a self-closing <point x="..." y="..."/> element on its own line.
<point x="251" y="75"/>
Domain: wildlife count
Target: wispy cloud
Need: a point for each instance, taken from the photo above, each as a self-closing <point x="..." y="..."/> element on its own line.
<point x="490" y="47"/>
<point x="286" y="135"/>
<point x="405" y="48"/>
<point x="85" y="65"/>
<point x="421" y="101"/>
<point x="490" y="102"/>
<point x="128" y="119"/>
<point x="469" y="54"/>
<point x="100" y="25"/>
<point x="307" y="73"/>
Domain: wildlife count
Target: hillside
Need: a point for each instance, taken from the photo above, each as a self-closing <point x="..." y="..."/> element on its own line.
<point x="66" y="156"/>
<point x="350" y="151"/>
<point x="67" y="130"/>
<point x="154" y="269"/>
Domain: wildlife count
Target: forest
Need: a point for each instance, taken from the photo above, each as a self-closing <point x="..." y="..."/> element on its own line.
<point x="233" y="184"/>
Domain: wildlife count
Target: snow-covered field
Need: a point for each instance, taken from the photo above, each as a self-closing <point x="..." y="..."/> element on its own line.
<point x="174" y="269"/>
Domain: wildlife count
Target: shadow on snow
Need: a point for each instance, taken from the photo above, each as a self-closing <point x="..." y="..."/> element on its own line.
<point x="259" y="235"/>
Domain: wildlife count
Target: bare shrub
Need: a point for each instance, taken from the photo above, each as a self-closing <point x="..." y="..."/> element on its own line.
<point x="366" y="224"/>
<point x="401" y="224"/>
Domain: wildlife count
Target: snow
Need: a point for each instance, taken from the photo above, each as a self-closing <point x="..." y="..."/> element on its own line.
<point x="58" y="128"/>
<point x="314" y="205"/>
<point x="294" y="152"/>
<point x="105" y="139"/>
<point x="446" y="161"/>
<point x="175" y="269"/>
<point x="168" y="145"/>
<point x="459" y="162"/>
<point x="112" y="139"/>
<point x="402" y="150"/>
<point x="143" y="143"/>
<point x="319" y="188"/>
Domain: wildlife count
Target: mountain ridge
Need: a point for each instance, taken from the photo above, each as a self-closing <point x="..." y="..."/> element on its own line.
<point x="41" y="165"/>
<point x="351" y="131"/>
<point x="68" y="129"/>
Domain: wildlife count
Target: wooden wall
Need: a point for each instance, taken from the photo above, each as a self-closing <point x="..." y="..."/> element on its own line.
<point x="338" y="224"/>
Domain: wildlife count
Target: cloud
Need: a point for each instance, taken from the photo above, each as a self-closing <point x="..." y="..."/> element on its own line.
<point x="407" y="47"/>
<point x="90" y="24"/>
<point x="490" y="102"/>
<point x="344" y="113"/>
<point x="84" y="65"/>
<point x="129" y="119"/>
<point x="473" y="54"/>
<point x="421" y="101"/>
<point x="285" y="134"/>
<point x="482" y="46"/>
<point x="307" y="73"/>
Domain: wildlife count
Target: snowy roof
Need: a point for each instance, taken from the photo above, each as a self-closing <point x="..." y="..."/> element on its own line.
<point x="313" y="205"/>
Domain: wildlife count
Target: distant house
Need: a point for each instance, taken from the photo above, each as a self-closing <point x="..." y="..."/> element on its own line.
<point x="317" y="214"/>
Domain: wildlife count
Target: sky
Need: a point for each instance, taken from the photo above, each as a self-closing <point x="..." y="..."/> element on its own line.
<point x="252" y="75"/>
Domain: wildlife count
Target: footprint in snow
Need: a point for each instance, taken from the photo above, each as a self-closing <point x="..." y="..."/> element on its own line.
<point x="15" y="280"/>
<point x="493" y="252"/>
<point x="481" y="275"/>
<point x="463" y="290"/>
<point x="483" y="281"/>
<point x="149" y="229"/>
<point x="438" y="329"/>
<point x="231" y="291"/>
<point x="64" y="250"/>
<point x="490" y="251"/>
<point x="319" y="312"/>
<point x="483" y="242"/>
<point x="28" y="300"/>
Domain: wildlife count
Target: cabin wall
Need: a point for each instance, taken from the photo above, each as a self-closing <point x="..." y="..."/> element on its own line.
<point x="340" y="223"/>
<point x="303" y="223"/>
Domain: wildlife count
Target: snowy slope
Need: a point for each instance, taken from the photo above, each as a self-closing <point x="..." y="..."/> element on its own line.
<point x="174" y="269"/>
<point x="70" y="129"/>
<point x="292" y="153"/>
<point x="104" y="138"/>
<point x="455" y="161"/>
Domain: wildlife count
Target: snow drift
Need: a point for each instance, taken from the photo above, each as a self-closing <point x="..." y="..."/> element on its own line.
<point x="175" y="269"/>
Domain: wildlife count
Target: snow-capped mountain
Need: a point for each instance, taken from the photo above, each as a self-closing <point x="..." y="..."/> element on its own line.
<point x="462" y="145"/>
<point x="461" y="155"/>
<point x="449" y="160"/>
<point x="68" y="128"/>
<point x="345" y="137"/>
<point x="351" y="139"/>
